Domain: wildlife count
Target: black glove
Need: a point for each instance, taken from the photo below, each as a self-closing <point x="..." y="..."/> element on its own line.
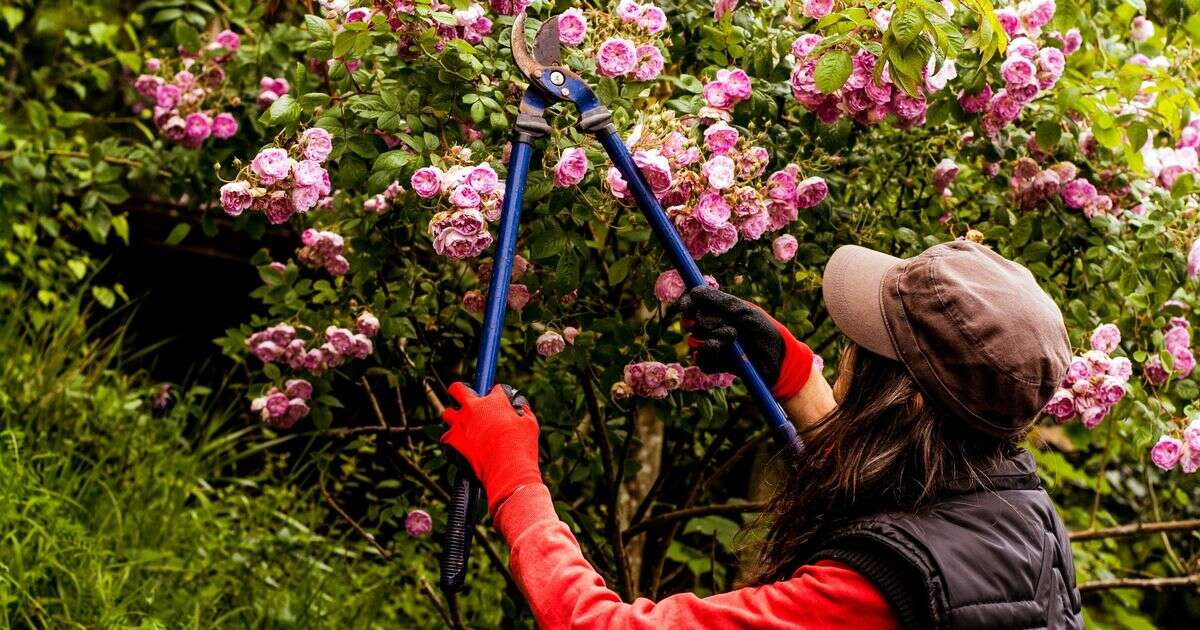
<point x="716" y="319"/>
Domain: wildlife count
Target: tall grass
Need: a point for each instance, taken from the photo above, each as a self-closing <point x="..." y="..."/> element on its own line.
<point x="114" y="514"/>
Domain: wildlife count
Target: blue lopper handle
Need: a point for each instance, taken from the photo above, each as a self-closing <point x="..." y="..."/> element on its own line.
<point x="467" y="497"/>
<point x="785" y="431"/>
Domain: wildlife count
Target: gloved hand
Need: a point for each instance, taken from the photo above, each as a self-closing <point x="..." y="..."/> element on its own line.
<point x="498" y="435"/>
<point x="715" y="319"/>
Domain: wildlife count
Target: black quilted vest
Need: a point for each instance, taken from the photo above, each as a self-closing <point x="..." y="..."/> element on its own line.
<point x="992" y="553"/>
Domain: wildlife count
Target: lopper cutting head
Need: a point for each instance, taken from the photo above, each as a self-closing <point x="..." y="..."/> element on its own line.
<point x="543" y="65"/>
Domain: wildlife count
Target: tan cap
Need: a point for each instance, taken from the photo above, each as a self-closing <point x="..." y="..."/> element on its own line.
<point x="974" y="329"/>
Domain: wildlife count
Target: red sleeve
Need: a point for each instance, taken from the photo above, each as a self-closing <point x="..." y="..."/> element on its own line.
<point x="564" y="591"/>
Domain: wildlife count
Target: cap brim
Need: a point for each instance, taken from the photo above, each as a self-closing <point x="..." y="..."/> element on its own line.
<point x="851" y="290"/>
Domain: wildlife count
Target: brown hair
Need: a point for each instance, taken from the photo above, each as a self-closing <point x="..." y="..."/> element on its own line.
<point x="881" y="449"/>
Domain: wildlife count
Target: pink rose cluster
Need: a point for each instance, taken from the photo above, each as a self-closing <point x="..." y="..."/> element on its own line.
<point x="381" y="203"/>
<point x="730" y="87"/>
<point x="1027" y="18"/>
<point x="187" y="102"/>
<point x="323" y="249"/>
<point x="467" y="197"/>
<point x="1032" y="185"/>
<point x="270" y="89"/>
<point x="633" y="50"/>
<point x="1166" y="164"/>
<point x="283" y="409"/>
<point x="518" y="293"/>
<point x="279" y="344"/>
<point x="282" y="182"/>
<point x="652" y="379"/>
<point x="1095" y="381"/>
<point x="861" y="97"/>
<point x="1170" y="451"/>
<point x="551" y="342"/>
<point x="716" y="193"/>
<point x="470" y="23"/>
<point x="1177" y="339"/>
<point x="1026" y="71"/>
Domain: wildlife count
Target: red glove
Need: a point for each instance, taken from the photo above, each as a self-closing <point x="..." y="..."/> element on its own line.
<point x="716" y="319"/>
<point x="498" y="437"/>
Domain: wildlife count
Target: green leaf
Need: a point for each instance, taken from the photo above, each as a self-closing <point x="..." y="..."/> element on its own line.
<point x="104" y="296"/>
<point x="313" y="100"/>
<point x="832" y="71"/>
<point x="343" y="42"/>
<point x="178" y="233"/>
<point x="1049" y="132"/>
<point x="619" y="270"/>
<point x="69" y="120"/>
<point x="186" y="36"/>
<point x="907" y="25"/>
<point x="13" y="16"/>
<point x="317" y="26"/>
<point x="284" y="111"/>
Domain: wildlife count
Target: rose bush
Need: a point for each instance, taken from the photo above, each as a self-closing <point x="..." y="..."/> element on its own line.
<point x="369" y="139"/>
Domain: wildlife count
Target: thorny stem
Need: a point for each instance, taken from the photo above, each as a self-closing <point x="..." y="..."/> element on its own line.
<point x="611" y="482"/>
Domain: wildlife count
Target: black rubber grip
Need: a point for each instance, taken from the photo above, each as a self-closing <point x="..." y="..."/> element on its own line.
<point x="460" y="529"/>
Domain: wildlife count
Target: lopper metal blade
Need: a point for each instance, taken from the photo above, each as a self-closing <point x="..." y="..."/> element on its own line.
<point x="546" y="50"/>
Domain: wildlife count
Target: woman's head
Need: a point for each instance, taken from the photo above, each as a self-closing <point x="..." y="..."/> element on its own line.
<point x="884" y="447"/>
<point x="954" y="352"/>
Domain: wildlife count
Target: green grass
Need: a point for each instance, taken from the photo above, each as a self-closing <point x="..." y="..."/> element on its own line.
<point x="114" y="515"/>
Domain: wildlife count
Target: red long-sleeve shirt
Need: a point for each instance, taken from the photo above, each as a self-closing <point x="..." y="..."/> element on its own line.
<point x="564" y="591"/>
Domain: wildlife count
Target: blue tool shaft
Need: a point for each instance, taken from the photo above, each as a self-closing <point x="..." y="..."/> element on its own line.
<point x="467" y="496"/>
<point x="785" y="431"/>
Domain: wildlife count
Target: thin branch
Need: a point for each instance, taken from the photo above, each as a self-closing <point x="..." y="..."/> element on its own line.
<point x="373" y="429"/>
<point x="1148" y="583"/>
<point x="387" y="555"/>
<point x="1136" y="529"/>
<point x="611" y="481"/>
<point x="438" y="605"/>
<point x="374" y="401"/>
<point x="693" y="512"/>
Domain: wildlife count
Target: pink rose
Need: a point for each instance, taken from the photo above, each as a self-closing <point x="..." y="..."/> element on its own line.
<point x="723" y="7"/>
<point x="1141" y="29"/>
<point x="784" y="247"/>
<point x="805" y="45"/>
<point x="465" y="197"/>
<point x="572" y="27"/>
<point x="317" y="142"/>
<point x="811" y="191"/>
<point x="1009" y="21"/>
<point x="427" y="181"/>
<point x="166" y="95"/>
<point x="652" y="20"/>
<point x="1110" y="391"/>
<point x="418" y="523"/>
<point x="571" y="168"/>
<point x="817" y="9"/>
<point x="473" y="301"/>
<point x="1017" y="71"/>
<point x="224" y="126"/>
<point x="650" y="63"/>
<point x="1092" y="416"/>
<point x="1036" y="14"/>
<point x="1078" y="192"/>
<point x="1193" y="259"/>
<point x="975" y="103"/>
<point x="655" y="168"/>
<point x="736" y="82"/>
<point x="719" y="171"/>
<point x="236" y="198"/>
<point x="1191" y="435"/>
<point x="712" y="211"/>
<point x="569" y="334"/>
<point x="550" y="343"/>
<point x="669" y="287"/>
<point x="1121" y="368"/>
<point x="1071" y="41"/>
<point x="616" y="183"/>
<point x="1106" y="338"/>
<point x="483" y="179"/>
<point x="716" y="96"/>
<point x="720" y="138"/>
<point x="1184" y="361"/>
<point x="1166" y="453"/>
<point x="298" y="388"/>
<point x="367" y="324"/>
<point x="1061" y="406"/>
<point x="518" y="296"/>
<point x="629" y="10"/>
<point x="271" y="165"/>
<point x="615" y="57"/>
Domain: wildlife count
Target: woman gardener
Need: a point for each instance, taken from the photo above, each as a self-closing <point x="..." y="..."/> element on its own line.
<point x="913" y="505"/>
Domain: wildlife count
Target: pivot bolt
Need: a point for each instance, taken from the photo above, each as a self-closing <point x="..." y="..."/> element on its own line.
<point x="565" y="92"/>
<point x="557" y="78"/>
